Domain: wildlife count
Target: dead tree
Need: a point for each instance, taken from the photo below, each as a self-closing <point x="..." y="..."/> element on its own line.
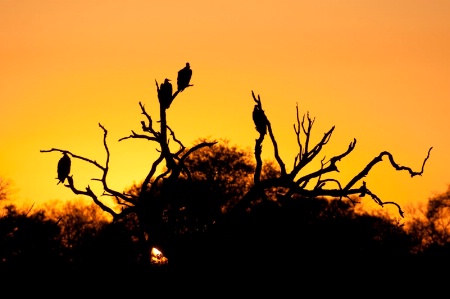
<point x="147" y="208"/>
<point x="150" y="202"/>
<point x="294" y="183"/>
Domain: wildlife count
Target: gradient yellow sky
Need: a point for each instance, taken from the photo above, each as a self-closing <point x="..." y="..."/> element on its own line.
<point x="377" y="70"/>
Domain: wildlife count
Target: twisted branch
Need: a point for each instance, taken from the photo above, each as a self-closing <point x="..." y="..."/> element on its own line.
<point x="305" y="156"/>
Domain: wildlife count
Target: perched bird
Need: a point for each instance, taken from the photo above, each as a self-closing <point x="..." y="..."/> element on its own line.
<point x="260" y="120"/>
<point x="184" y="77"/>
<point x="63" y="168"/>
<point x="165" y="94"/>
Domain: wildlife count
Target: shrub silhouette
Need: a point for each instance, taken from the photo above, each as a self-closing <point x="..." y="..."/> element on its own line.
<point x="28" y="242"/>
<point x="430" y="224"/>
<point x="186" y="198"/>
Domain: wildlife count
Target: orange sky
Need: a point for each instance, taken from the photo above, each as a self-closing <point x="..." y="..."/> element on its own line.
<point x="377" y="70"/>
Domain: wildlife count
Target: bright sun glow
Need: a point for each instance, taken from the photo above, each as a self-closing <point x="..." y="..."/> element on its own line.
<point x="157" y="257"/>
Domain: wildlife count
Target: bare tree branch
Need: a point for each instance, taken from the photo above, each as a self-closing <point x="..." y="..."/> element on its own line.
<point x="92" y="195"/>
<point x="139" y="136"/>
<point x="148" y="128"/>
<point x="103" y="180"/>
<point x="74" y="156"/>
<point x="261" y="123"/>
<point x="275" y="147"/>
<point x="304" y="157"/>
<point x="259" y="141"/>
<point x="379" y="158"/>
<point x="331" y="166"/>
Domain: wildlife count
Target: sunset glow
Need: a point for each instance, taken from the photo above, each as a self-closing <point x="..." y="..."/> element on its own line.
<point x="377" y="70"/>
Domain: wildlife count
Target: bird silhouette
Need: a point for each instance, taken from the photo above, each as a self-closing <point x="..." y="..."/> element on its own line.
<point x="63" y="168"/>
<point x="165" y="93"/>
<point x="260" y="120"/>
<point x="184" y="77"/>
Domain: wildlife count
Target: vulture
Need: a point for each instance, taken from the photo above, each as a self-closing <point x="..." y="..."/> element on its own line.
<point x="260" y="120"/>
<point x="184" y="77"/>
<point x="165" y="94"/>
<point x="63" y="168"/>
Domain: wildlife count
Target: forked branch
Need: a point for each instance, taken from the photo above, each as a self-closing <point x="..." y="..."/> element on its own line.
<point x="126" y="198"/>
<point x="292" y="184"/>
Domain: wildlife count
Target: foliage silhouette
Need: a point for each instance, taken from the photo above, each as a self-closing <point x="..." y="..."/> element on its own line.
<point x="79" y="223"/>
<point x="185" y="197"/>
<point x="5" y="188"/>
<point x="430" y="224"/>
<point x="310" y="234"/>
<point x="28" y="241"/>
